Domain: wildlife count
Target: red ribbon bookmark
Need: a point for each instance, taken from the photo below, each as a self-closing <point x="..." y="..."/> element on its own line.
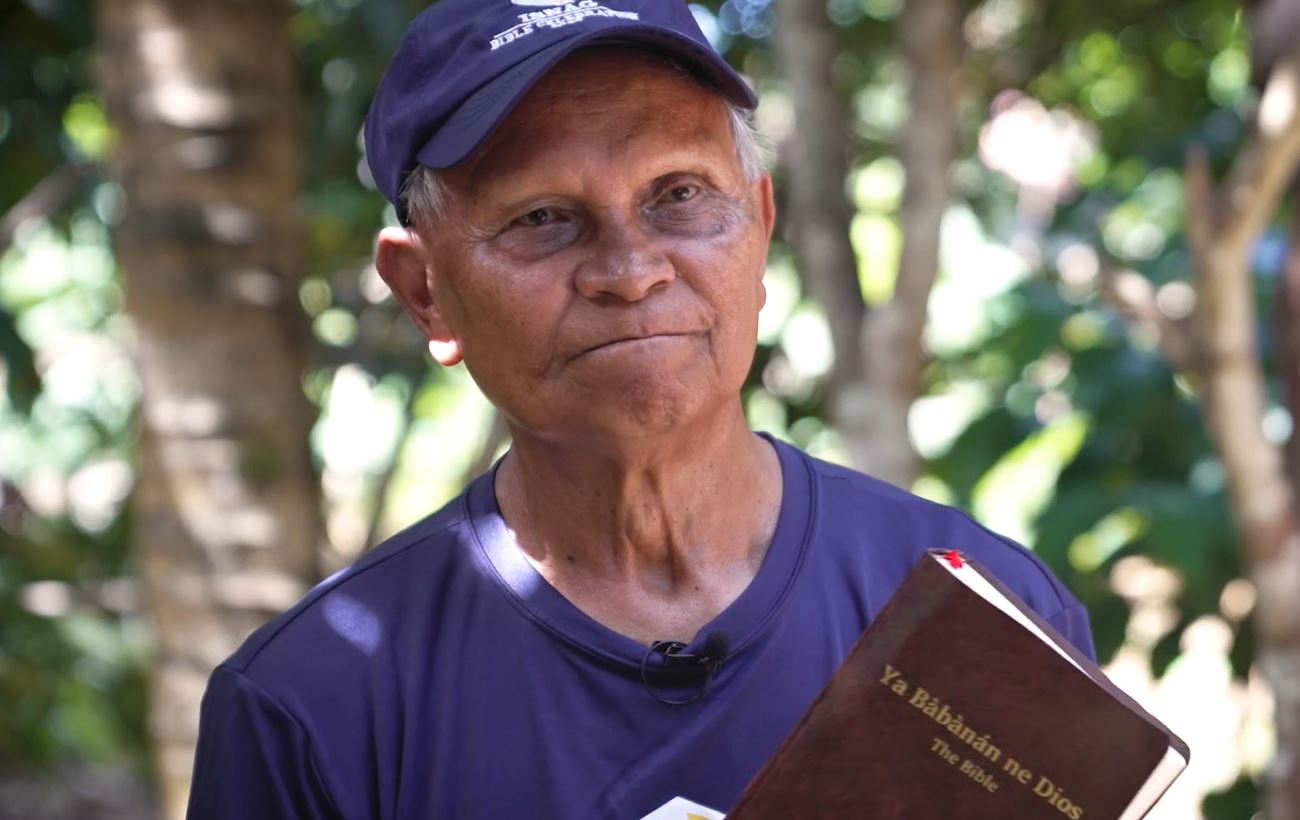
<point x="953" y="557"/>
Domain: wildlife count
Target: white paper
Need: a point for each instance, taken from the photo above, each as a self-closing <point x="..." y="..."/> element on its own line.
<point x="679" y="808"/>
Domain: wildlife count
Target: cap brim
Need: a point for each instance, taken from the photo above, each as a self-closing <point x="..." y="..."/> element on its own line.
<point x="482" y="111"/>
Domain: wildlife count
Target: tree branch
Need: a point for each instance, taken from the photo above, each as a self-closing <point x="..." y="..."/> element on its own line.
<point x="1261" y="497"/>
<point x="46" y="198"/>
<point x="929" y="32"/>
<point x="819" y="212"/>
<point x="1134" y="298"/>
<point x="1261" y="175"/>
<point x="930" y="35"/>
<point x="1200" y="201"/>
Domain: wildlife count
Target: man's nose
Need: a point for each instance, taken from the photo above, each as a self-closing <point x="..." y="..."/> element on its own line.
<point x="626" y="264"/>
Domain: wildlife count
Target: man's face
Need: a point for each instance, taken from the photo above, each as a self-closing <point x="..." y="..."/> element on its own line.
<point x="600" y="264"/>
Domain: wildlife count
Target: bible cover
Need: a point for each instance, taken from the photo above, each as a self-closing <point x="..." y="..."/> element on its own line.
<point x="961" y="702"/>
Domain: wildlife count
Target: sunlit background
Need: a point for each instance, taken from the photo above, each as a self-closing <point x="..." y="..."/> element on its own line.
<point x="1045" y="414"/>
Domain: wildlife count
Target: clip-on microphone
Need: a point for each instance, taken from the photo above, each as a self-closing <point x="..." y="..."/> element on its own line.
<point x="707" y="661"/>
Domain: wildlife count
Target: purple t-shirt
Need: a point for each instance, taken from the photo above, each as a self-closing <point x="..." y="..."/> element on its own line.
<point x="442" y="677"/>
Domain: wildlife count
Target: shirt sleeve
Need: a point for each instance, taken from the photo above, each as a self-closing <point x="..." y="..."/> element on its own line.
<point x="254" y="758"/>
<point x="1072" y="622"/>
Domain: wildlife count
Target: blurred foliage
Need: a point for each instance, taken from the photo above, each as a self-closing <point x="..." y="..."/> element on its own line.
<point x="1045" y="413"/>
<point x="73" y="686"/>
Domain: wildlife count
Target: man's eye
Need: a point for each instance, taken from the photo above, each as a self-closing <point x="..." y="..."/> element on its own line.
<point x="537" y="218"/>
<point x="682" y="193"/>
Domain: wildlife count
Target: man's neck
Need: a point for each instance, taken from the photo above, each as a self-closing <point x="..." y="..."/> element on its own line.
<point x="651" y="538"/>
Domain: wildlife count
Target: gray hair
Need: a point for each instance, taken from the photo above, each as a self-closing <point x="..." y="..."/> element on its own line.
<point x="425" y="195"/>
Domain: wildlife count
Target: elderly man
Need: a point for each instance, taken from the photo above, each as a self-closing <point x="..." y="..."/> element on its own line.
<point x="642" y="597"/>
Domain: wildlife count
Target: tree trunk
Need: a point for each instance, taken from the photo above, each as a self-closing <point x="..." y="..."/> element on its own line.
<point x="1279" y="654"/>
<point x="878" y="354"/>
<point x="929" y="32"/>
<point x="819" y="213"/>
<point x="226" y="513"/>
<point x="1223" y="224"/>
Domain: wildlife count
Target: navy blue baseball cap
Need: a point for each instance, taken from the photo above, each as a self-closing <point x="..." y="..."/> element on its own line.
<point x="464" y="64"/>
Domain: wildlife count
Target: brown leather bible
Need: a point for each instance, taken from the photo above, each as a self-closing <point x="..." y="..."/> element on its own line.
<point x="961" y="702"/>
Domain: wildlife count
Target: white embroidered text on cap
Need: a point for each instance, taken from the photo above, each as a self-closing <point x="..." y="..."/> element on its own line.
<point x="555" y="15"/>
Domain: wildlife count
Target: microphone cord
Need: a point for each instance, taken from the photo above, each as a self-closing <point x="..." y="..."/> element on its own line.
<point x="708" y="660"/>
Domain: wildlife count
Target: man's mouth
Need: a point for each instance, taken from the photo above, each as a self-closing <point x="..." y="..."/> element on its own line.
<point x="630" y="341"/>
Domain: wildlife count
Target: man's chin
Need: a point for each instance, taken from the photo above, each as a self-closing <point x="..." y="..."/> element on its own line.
<point x="630" y="413"/>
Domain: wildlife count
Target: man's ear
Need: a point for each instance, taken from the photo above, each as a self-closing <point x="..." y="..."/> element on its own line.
<point x="401" y="261"/>
<point x="766" y="203"/>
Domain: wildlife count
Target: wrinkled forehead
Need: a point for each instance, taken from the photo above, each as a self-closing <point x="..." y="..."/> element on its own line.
<point x="620" y="92"/>
<point x="641" y="85"/>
